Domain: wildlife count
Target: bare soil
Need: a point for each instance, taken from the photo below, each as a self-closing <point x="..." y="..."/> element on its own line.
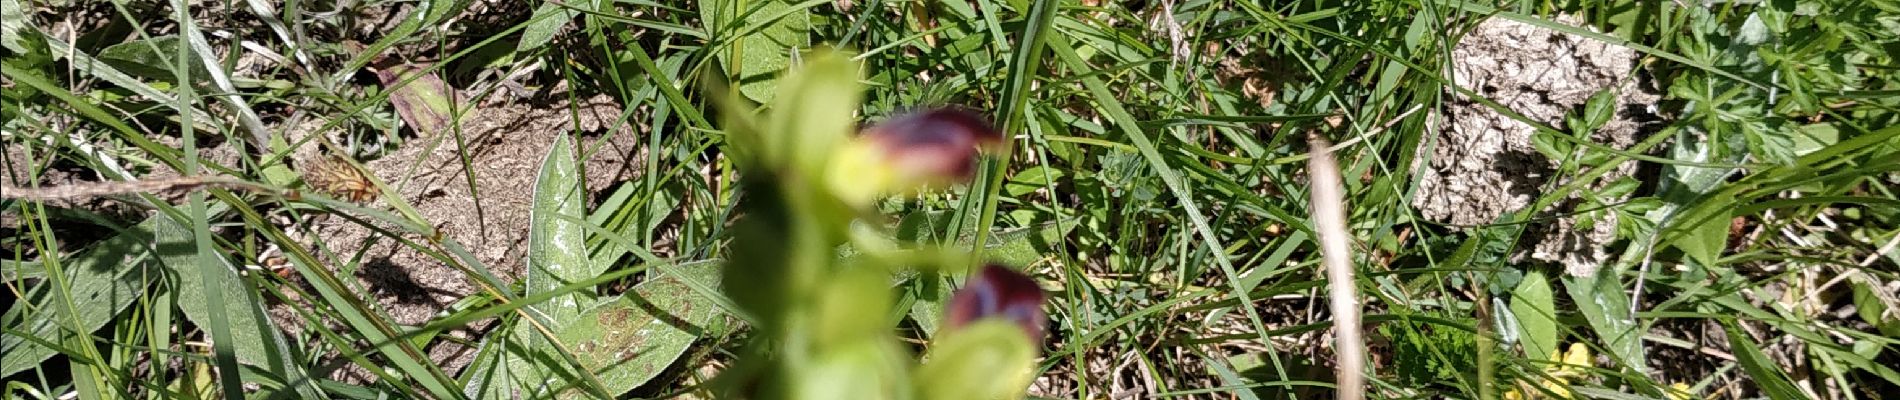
<point x="505" y="144"/>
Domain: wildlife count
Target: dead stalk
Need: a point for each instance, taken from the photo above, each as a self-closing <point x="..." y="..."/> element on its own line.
<point x="1329" y="220"/>
<point x="100" y="189"/>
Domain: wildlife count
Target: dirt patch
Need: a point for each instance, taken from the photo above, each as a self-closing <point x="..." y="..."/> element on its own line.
<point x="505" y="144"/>
<point x="1483" y="164"/>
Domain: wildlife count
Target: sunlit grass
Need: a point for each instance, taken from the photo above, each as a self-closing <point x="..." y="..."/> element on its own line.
<point x="1154" y="184"/>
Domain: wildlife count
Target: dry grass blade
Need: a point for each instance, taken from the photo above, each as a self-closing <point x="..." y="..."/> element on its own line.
<point x="1329" y="219"/>
<point x="89" y="190"/>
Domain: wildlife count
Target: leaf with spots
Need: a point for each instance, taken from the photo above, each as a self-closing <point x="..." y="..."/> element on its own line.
<point x="632" y="338"/>
<point x="528" y="364"/>
<point x="557" y="249"/>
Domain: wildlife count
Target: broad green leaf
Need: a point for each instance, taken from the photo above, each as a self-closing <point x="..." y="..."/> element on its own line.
<point x="27" y="52"/>
<point x="1536" y="314"/>
<point x="424" y="101"/>
<point x="630" y="339"/>
<point x="105" y="279"/>
<point x="1705" y="242"/>
<point x="1229" y="378"/>
<point x="18" y="270"/>
<point x="151" y="58"/>
<point x="557" y="256"/>
<point x="927" y="311"/>
<point x="1602" y="301"/>
<point x="759" y="47"/>
<point x="1761" y="369"/>
<point x="1872" y="308"/>
<point x="1684" y="188"/>
<point x="1814" y="137"/>
<point x="1598" y="110"/>
<point x="557" y="249"/>
<point x="13" y="30"/>
<point x="247" y="320"/>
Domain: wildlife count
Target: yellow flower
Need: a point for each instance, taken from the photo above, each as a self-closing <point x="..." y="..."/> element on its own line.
<point x="1574" y="360"/>
<point x="1679" y="391"/>
<point x="1565" y="365"/>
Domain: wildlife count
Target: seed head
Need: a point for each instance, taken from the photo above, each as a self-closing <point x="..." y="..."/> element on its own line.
<point x="338" y="178"/>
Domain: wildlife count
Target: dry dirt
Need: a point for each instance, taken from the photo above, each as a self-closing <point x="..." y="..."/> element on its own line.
<point x="506" y="144"/>
<point x="1483" y="165"/>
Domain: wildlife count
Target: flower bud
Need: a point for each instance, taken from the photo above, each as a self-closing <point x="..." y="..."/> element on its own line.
<point x="911" y="152"/>
<point x="998" y="292"/>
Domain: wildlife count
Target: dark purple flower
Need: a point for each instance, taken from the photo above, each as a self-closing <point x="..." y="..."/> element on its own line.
<point x="935" y="145"/>
<point x="998" y="292"/>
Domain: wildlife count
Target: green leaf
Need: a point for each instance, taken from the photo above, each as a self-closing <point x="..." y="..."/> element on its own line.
<point x="1705" y="242"/>
<point x="1598" y="111"/>
<point x="1550" y="146"/>
<point x="1772" y="139"/>
<point x="557" y="247"/>
<point x="28" y="52"/>
<point x="758" y="49"/>
<point x="151" y="58"/>
<point x="422" y="99"/>
<point x="1536" y="315"/>
<point x="1760" y="368"/>
<point x="246" y="318"/>
<point x="1602" y="301"/>
<point x="1684" y="190"/>
<point x="20" y="270"/>
<point x="1872" y="308"/>
<point x="13" y="33"/>
<point x="105" y="279"/>
<point x="1032" y="179"/>
<point x="1219" y="366"/>
<point x="1814" y="137"/>
<point x="548" y="20"/>
<point x="630" y="339"/>
<point x="557" y="256"/>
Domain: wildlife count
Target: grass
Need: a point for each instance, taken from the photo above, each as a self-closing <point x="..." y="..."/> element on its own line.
<point x="1155" y="185"/>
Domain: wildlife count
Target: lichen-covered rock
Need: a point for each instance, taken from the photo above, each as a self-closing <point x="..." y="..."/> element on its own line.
<point x="1483" y="165"/>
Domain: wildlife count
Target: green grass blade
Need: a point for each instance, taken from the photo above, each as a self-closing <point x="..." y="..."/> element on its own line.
<point x="1024" y="64"/>
<point x="1763" y="370"/>
<point x="1131" y="127"/>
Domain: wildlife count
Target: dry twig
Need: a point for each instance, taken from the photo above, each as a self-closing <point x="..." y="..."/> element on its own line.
<point x="1329" y="220"/>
